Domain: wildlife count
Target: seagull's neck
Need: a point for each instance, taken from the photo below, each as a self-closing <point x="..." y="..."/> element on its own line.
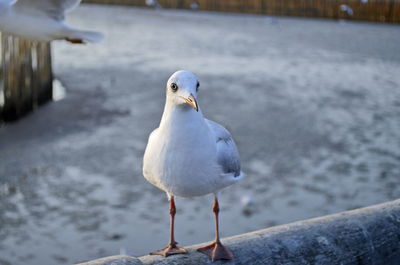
<point x="180" y="116"/>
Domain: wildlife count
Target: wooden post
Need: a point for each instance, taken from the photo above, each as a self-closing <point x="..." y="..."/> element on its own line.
<point x="364" y="236"/>
<point x="26" y="76"/>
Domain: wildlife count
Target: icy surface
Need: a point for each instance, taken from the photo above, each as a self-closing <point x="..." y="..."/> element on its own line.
<point x="313" y="105"/>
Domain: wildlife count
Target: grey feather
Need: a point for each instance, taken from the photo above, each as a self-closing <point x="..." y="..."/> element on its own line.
<point x="53" y="8"/>
<point x="227" y="153"/>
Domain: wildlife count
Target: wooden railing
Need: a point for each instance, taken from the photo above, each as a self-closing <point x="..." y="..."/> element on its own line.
<point x="364" y="236"/>
<point x="26" y="76"/>
<point x="367" y="10"/>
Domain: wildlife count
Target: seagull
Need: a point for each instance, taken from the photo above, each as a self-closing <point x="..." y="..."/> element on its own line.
<point x="347" y="9"/>
<point x="42" y="20"/>
<point x="153" y="3"/>
<point x="194" y="5"/>
<point x="188" y="156"/>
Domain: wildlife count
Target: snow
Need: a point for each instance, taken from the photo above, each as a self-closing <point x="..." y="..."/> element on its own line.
<point x="59" y="91"/>
<point x="316" y="124"/>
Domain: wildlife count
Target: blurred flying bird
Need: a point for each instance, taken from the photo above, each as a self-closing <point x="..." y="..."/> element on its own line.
<point x="188" y="156"/>
<point x="194" y="5"/>
<point x="347" y="9"/>
<point x="153" y="3"/>
<point x="42" y="20"/>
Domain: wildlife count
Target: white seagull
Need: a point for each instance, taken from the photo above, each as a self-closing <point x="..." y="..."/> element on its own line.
<point x="188" y="155"/>
<point x="42" y="20"/>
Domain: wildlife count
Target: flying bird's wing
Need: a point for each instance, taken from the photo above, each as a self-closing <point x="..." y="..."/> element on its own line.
<point x="53" y="8"/>
<point x="227" y="153"/>
<point x="7" y="2"/>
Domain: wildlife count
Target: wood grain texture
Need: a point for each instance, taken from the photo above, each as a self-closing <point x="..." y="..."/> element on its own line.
<point x="114" y="260"/>
<point x="26" y="76"/>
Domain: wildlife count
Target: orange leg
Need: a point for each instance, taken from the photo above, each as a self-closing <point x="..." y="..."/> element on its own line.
<point x="216" y="251"/>
<point x="172" y="247"/>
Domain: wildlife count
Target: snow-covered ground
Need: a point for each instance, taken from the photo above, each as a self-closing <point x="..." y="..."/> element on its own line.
<point x="314" y="106"/>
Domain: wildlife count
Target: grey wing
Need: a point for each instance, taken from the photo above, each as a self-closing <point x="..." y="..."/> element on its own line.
<point x="53" y="8"/>
<point x="227" y="152"/>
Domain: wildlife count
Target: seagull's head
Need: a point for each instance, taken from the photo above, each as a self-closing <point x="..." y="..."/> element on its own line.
<point x="182" y="88"/>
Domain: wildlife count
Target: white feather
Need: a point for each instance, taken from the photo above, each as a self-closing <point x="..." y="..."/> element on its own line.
<point x="42" y="20"/>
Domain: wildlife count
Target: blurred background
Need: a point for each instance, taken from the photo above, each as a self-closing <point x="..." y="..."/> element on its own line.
<point x="312" y="100"/>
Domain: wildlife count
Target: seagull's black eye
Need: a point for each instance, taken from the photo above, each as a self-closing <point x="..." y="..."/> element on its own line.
<point x="174" y="87"/>
<point x="197" y="86"/>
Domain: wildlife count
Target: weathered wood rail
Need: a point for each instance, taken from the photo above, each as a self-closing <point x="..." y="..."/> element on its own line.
<point x="367" y="10"/>
<point x="25" y="76"/>
<point x="367" y="236"/>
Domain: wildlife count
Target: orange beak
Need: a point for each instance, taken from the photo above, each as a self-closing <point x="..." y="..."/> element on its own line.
<point x="191" y="101"/>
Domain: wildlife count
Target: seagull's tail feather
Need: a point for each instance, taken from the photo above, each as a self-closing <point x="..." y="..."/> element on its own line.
<point x="85" y="36"/>
<point x="231" y="178"/>
<point x="241" y="175"/>
<point x="238" y="177"/>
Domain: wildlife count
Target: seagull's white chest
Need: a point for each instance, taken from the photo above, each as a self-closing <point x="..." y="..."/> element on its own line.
<point x="181" y="157"/>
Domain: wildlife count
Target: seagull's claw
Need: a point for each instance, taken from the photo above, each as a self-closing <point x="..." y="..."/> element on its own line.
<point x="216" y="251"/>
<point x="171" y="249"/>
